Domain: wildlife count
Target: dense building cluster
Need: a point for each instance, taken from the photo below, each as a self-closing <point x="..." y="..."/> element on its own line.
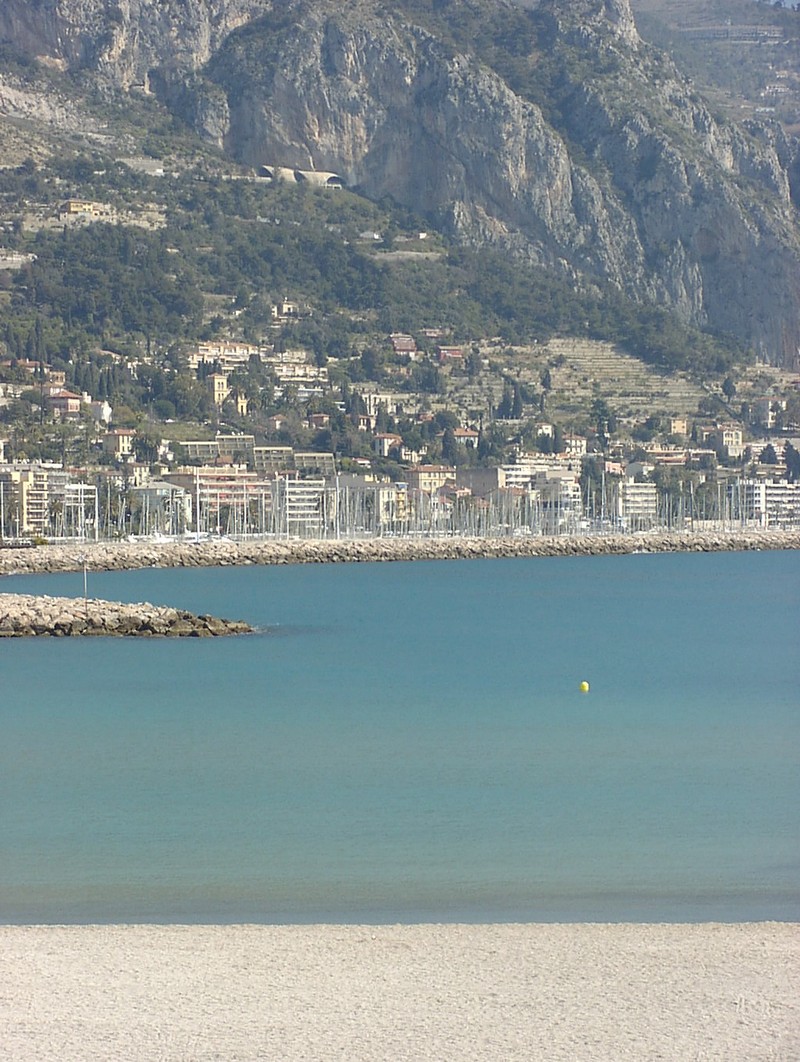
<point x="491" y="451"/>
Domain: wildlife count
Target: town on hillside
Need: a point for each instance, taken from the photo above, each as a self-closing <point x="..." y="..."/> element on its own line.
<point x="417" y="435"/>
<point x="155" y="379"/>
<point x="200" y="339"/>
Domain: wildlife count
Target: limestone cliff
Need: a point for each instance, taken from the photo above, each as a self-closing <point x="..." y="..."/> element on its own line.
<point x="553" y="132"/>
<point x="123" y="39"/>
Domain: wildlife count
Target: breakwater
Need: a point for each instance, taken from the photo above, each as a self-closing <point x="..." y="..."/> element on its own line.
<point x="220" y="552"/>
<point x="26" y="615"/>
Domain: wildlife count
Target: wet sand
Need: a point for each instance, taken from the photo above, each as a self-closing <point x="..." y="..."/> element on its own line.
<point x="449" y="992"/>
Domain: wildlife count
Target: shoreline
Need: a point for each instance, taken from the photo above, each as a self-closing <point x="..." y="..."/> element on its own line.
<point x="221" y="552"/>
<point x="579" y="992"/>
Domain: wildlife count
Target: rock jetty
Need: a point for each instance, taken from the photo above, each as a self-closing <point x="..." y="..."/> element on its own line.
<point x="219" y="552"/>
<point x="25" y="615"/>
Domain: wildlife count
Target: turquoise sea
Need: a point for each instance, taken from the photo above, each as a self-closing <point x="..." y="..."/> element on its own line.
<point x="408" y="743"/>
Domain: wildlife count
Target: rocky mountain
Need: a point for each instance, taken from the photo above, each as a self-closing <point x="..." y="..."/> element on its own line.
<point x="123" y="39"/>
<point x="552" y="131"/>
<point x="744" y="54"/>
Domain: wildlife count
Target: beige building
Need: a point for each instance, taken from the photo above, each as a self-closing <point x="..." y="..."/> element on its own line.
<point x="301" y="507"/>
<point x="203" y="450"/>
<point x="729" y="437"/>
<point x="323" y="464"/>
<point x="528" y="465"/>
<point x="482" y="481"/>
<point x="269" y="460"/>
<point x="217" y="382"/>
<point x="87" y="208"/>
<point x="23" y="500"/>
<point x="666" y="455"/>
<point x="238" y="448"/>
<point x="282" y="311"/>
<point x="678" y="426"/>
<point x="373" y="400"/>
<point x="229" y="354"/>
<point x="393" y="508"/>
<point x="32" y="498"/>
<point x="574" y="445"/>
<point x="430" y="478"/>
<point x="384" y="442"/>
<point x="299" y="373"/>
<point x="403" y="344"/>
<point x="119" y="442"/>
<point x="66" y="405"/>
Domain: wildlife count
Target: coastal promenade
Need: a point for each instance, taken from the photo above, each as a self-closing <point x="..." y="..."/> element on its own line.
<point x="220" y="552"/>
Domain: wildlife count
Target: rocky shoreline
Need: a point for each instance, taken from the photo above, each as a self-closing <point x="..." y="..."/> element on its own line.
<point x="220" y="552"/>
<point x="26" y="615"/>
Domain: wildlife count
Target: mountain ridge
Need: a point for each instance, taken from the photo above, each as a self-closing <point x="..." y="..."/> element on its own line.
<point x="554" y="133"/>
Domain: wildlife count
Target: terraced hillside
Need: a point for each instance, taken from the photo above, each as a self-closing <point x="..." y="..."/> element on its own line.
<point x="583" y="369"/>
<point x="580" y="371"/>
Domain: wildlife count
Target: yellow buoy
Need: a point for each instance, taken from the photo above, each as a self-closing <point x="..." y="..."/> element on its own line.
<point x="584" y="687"/>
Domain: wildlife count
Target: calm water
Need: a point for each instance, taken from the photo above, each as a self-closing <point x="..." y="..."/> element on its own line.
<point x="407" y="742"/>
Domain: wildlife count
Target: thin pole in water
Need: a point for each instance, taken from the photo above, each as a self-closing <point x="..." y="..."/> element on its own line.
<point x="85" y="588"/>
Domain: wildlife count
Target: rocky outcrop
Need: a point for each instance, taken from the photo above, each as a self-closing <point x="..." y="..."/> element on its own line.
<point x="25" y="615"/>
<point x="121" y="556"/>
<point x="554" y="133"/>
<point x="716" y="224"/>
<point x="124" y="39"/>
<point x="609" y="169"/>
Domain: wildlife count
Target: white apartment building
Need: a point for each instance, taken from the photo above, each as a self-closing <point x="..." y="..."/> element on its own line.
<point x="637" y="504"/>
<point x="560" y="502"/>
<point x="299" y="506"/>
<point x="227" y="353"/>
<point x="766" y="503"/>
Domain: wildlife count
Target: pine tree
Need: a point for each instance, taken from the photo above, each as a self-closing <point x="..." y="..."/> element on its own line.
<point x="450" y="452"/>
<point x="516" y="406"/>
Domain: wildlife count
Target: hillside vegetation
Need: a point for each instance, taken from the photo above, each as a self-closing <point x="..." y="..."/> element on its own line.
<point x="229" y="249"/>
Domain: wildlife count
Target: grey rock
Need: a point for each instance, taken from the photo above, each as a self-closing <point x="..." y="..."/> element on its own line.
<point x="26" y="615"/>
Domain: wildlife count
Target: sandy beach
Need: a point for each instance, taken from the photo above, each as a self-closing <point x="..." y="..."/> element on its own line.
<point x="448" y="992"/>
<point x="583" y="993"/>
